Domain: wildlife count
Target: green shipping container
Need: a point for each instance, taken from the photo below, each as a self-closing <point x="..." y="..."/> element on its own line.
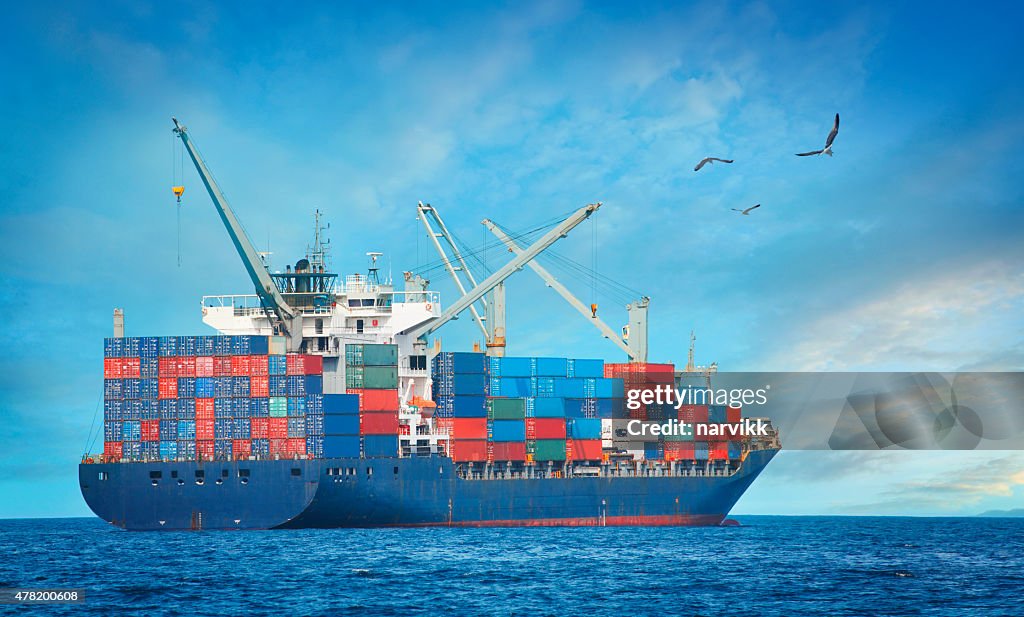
<point x="372" y="377"/>
<point x="679" y="437"/>
<point x="278" y="407"/>
<point x="549" y="450"/>
<point x="367" y="354"/>
<point x="506" y="408"/>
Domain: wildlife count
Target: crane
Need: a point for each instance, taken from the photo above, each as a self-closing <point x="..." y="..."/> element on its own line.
<point x="472" y="296"/>
<point x="288" y="319"/>
<point x="635" y="345"/>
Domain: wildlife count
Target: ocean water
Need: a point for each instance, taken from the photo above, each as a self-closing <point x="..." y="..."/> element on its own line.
<point x="860" y="566"/>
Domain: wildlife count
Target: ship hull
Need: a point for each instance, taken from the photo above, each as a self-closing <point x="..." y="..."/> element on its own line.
<point x="406" y="492"/>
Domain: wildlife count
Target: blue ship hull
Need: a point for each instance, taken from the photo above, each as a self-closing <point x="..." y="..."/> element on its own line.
<point x="418" y="491"/>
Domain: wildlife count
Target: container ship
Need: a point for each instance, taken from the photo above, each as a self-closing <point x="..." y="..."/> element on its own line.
<point x="321" y="402"/>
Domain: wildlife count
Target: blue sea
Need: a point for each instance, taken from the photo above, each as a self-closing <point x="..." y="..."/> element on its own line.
<point x="860" y="566"/>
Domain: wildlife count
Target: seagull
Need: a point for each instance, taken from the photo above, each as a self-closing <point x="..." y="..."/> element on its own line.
<point x="747" y="211"/>
<point x="828" y="142"/>
<point x="711" y="160"/>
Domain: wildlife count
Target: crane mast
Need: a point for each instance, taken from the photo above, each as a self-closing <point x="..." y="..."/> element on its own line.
<point x="289" y="320"/>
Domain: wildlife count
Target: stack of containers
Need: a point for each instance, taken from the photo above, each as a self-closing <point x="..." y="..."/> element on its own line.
<point x="459" y="389"/>
<point x="371" y="371"/>
<point x="340" y="427"/>
<point x="206" y="397"/>
<point x="647" y="376"/>
<point x="548" y="395"/>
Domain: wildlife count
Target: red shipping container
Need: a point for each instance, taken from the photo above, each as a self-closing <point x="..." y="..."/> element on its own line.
<point x="296" y="446"/>
<point x="186" y="366"/>
<point x="545" y="428"/>
<point x="240" y="366"/>
<point x="112" y="368"/>
<point x="733" y="415"/>
<point x="205" y="449"/>
<point x="130" y="368"/>
<point x="469" y="428"/>
<point x="204" y="366"/>
<point x="693" y="414"/>
<point x="277" y="428"/>
<point x="258" y="365"/>
<point x="259" y="386"/>
<point x="445" y="426"/>
<point x="378" y="423"/>
<point x="222" y="366"/>
<point x="279" y="447"/>
<point x="150" y="430"/>
<point x="167" y="366"/>
<point x="378" y="400"/>
<point x="718" y="451"/>
<point x="586" y="449"/>
<point x="113" y="450"/>
<point x="678" y="451"/>
<point x="204" y="409"/>
<point x="204" y="429"/>
<point x="302" y="364"/>
<point x="509" y="451"/>
<point x="167" y="387"/>
<point x="469" y="450"/>
<point x="259" y="428"/>
<point x="241" y="448"/>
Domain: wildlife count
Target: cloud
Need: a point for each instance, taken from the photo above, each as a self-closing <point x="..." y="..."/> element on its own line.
<point x="932" y="323"/>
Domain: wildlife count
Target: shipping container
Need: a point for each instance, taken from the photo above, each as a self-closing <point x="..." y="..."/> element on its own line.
<point x="112" y="389"/>
<point x="222" y="366"/>
<point x="169" y="450"/>
<point x="718" y="451"/>
<point x="248" y="345"/>
<point x="583" y="428"/>
<point x="380" y="446"/>
<point x="469" y="450"/>
<point x="693" y="414"/>
<point x="341" y="403"/>
<point x="241" y="448"/>
<point x="241" y="366"/>
<point x="586" y="449"/>
<point x="341" y="446"/>
<point x="579" y="407"/>
<point x="222" y="449"/>
<point x="302" y="364"/>
<point x="258" y="366"/>
<point x="278" y="406"/>
<point x="459" y="362"/>
<point x="204" y="408"/>
<point x="259" y="386"/>
<point x="511" y="367"/>
<point x="259" y="428"/>
<point x="717" y="414"/>
<point x="277" y="365"/>
<point x="546" y="408"/>
<point x="461" y="407"/>
<point x="378" y="423"/>
<point x="378" y="400"/>
<point x="277" y="428"/>
<point x="205" y="449"/>
<point x="113" y="450"/>
<point x="506" y="408"/>
<point x="512" y="387"/>
<point x="186" y="449"/>
<point x="549" y="450"/>
<point x="296" y="428"/>
<point x="241" y="428"/>
<point x="315" y="446"/>
<point x="459" y="384"/>
<point x="315" y="424"/>
<point x="259" y="407"/>
<point x="570" y="388"/>
<point x="204" y="366"/>
<point x="545" y="428"/>
<point x="149" y="367"/>
<point x="223" y="428"/>
<point x="315" y="404"/>
<point x="509" y="451"/>
<point x="550" y="367"/>
<point x="205" y="429"/>
<point x="371" y="377"/>
<point x="679" y="451"/>
<point x="468" y="428"/>
<point x="187" y="429"/>
<point x="508" y="430"/>
<point x="296" y="406"/>
<point x="586" y="368"/>
<point x="367" y="354"/>
<point x="734" y="415"/>
<point x="700" y="450"/>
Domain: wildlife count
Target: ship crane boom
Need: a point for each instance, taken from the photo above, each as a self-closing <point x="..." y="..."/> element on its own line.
<point x="517" y="263"/>
<point x="290" y="320"/>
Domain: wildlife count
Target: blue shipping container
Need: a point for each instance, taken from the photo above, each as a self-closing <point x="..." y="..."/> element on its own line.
<point x="583" y="428"/>
<point x="511" y="387"/>
<point x="586" y="368"/>
<point x="379" y="446"/>
<point x="222" y="345"/>
<point x="149" y="389"/>
<point x="315" y="445"/>
<point x="508" y="430"/>
<point x="570" y="388"/>
<point x="277" y="365"/>
<point x="314" y="403"/>
<point x="186" y="387"/>
<point x="239" y="428"/>
<point x="460" y="384"/>
<point x="260" y="447"/>
<point x="550" y="367"/>
<point x="113" y="410"/>
<point x="223" y="428"/>
<point x="341" y="404"/>
<point x="240" y="387"/>
<point x="342" y="446"/>
<point x="545" y="408"/>
<point x="296" y="406"/>
<point x="186" y="429"/>
<point x="169" y="450"/>
<point x="205" y="387"/>
<point x="259" y="407"/>
<point x="468" y="406"/>
<point x="315" y="424"/>
<point x="186" y="449"/>
<point x="278" y="385"/>
<point x="458" y="362"/>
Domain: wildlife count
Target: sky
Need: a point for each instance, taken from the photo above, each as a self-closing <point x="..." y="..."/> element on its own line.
<point x="901" y="252"/>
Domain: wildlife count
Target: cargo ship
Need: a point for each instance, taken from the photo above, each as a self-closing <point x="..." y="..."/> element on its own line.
<point x="321" y="402"/>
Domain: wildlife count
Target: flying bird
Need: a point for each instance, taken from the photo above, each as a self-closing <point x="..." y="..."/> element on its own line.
<point x="747" y="211"/>
<point x="711" y="160"/>
<point x="828" y="142"/>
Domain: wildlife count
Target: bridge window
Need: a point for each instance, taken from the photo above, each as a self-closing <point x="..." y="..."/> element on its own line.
<point x="418" y="363"/>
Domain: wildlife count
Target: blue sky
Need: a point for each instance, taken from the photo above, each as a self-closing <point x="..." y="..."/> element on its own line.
<point x="902" y="252"/>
